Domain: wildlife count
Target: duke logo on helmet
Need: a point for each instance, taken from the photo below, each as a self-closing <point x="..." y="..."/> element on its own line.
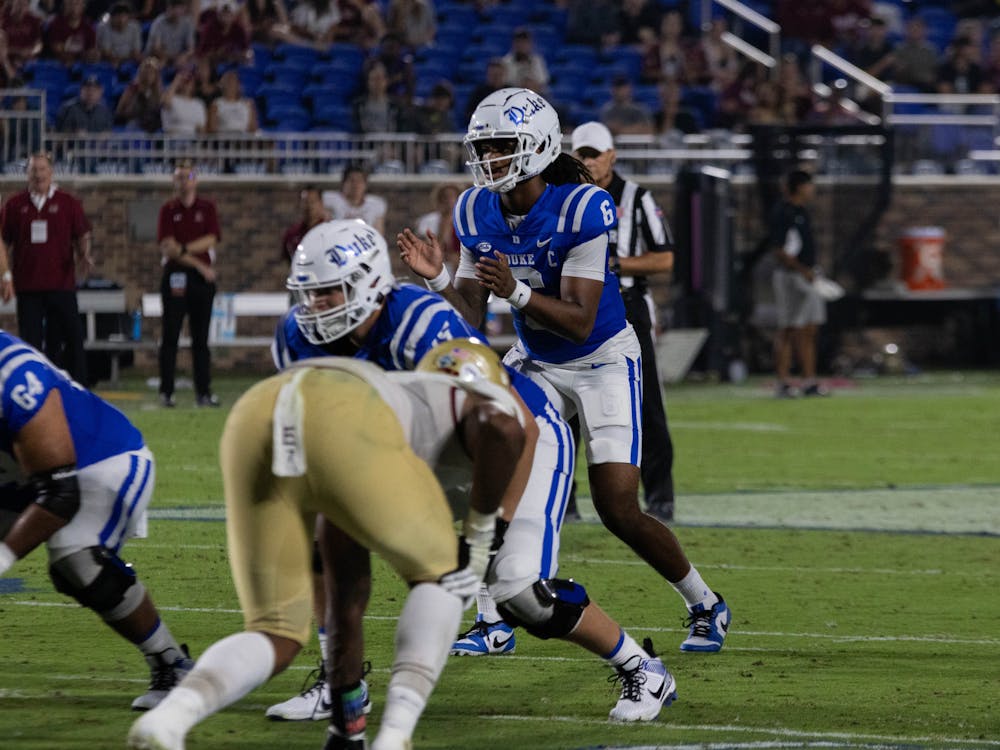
<point x="340" y="275"/>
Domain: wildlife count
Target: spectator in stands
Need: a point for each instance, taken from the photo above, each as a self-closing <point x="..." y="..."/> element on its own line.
<point x="360" y="23"/>
<point x="312" y="212"/>
<point x="439" y="222"/>
<point x="86" y="113"/>
<point x="524" y="67"/>
<point x="398" y="63"/>
<point x="914" y="59"/>
<point x="673" y="117"/>
<point x="588" y="21"/>
<point x="715" y="62"/>
<point x="794" y="95"/>
<point x="496" y="73"/>
<point x="48" y="236"/>
<point x="119" y="37"/>
<point x="269" y="22"/>
<point x="171" y="36"/>
<point x="972" y="29"/>
<point x="435" y="116"/>
<point x="146" y="11"/>
<point x="738" y="97"/>
<point x="231" y="113"/>
<point x="766" y="108"/>
<point x="623" y="115"/>
<point x="872" y="52"/>
<point x="992" y="64"/>
<point x="70" y="36"/>
<point x="315" y="22"/>
<point x="140" y="103"/>
<point x="206" y="82"/>
<point x="222" y="36"/>
<point x="353" y="201"/>
<point x="413" y="21"/>
<point x="637" y="15"/>
<point x="188" y="234"/>
<point x="672" y="49"/>
<point x="804" y="22"/>
<point x="375" y="111"/>
<point x="182" y="112"/>
<point x="960" y="73"/>
<point x="20" y="37"/>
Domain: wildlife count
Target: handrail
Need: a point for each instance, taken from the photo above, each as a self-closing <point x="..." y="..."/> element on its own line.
<point x="847" y="68"/>
<point x="748" y="50"/>
<point x="751" y="16"/>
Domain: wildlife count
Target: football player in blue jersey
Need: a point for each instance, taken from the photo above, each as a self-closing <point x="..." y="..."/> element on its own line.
<point x="534" y="231"/>
<point x="89" y="479"/>
<point x="346" y="291"/>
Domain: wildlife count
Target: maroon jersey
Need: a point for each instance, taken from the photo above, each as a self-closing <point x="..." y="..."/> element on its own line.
<point x="293" y="236"/>
<point x="22" y="33"/>
<point x="43" y="241"/>
<point x="186" y="224"/>
<point x="75" y="40"/>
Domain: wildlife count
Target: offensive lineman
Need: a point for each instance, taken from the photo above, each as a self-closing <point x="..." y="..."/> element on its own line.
<point x="89" y="481"/>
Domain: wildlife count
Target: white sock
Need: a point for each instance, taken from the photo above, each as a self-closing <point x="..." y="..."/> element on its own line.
<point x="227" y="671"/>
<point x="627" y="653"/>
<point x="695" y="591"/>
<point x="424" y="634"/>
<point x="160" y="643"/>
<point x="485" y="606"/>
<point x="322" y="646"/>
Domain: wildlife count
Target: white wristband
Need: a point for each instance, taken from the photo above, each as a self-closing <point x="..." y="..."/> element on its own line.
<point x="7" y="276"/>
<point x="520" y="296"/>
<point x="7" y="558"/>
<point x="441" y="281"/>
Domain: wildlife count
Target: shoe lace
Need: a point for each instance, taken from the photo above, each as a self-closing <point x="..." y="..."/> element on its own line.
<point x="632" y="682"/>
<point x="480" y="628"/>
<point x="700" y="623"/>
<point x="162" y="678"/>
<point x="315" y="681"/>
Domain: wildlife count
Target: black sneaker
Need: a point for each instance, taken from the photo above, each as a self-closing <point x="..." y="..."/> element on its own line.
<point x="164" y="676"/>
<point x="167" y="400"/>
<point x="208" y="399"/>
<point x="786" y="390"/>
<point x="816" y="390"/>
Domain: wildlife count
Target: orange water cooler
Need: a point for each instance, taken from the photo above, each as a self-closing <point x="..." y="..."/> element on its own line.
<point x="921" y="251"/>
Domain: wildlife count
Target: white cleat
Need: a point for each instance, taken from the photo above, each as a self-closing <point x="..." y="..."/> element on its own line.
<point x="646" y="688"/>
<point x="151" y="732"/>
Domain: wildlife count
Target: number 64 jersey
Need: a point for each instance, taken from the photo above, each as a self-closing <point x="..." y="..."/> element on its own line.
<point x="27" y="378"/>
<point x="564" y="234"/>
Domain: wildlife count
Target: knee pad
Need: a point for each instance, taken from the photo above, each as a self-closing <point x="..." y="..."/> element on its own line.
<point x="99" y="580"/>
<point x="549" y="608"/>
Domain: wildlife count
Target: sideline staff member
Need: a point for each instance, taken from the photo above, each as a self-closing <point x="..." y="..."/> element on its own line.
<point x="640" y="246"/>
<point x="188" y="232"/>
<point x="49" y="236"/>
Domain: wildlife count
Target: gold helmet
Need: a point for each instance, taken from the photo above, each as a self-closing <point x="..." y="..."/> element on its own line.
<point x="465" y="359"/>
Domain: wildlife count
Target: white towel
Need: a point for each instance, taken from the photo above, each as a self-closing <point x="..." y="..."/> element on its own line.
<point x="289" y="459"/>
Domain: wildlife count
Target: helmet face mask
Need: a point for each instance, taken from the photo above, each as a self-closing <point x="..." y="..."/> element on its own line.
<point x="339" y="277"/>
<point x="515" y="120"/>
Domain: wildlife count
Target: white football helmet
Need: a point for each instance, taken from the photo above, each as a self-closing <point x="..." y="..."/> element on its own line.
<point x="519" y="115"/>
<point x="346" y="256"/>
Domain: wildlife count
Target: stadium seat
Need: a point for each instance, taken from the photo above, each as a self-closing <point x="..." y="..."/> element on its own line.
<point x="293" y="52"/>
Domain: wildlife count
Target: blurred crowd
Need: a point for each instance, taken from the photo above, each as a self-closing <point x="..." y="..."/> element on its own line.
<point x="641" y="66"/>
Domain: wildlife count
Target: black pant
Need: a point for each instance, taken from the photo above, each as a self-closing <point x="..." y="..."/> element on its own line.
<point x="196" y="302"/>
<point x="657" y="447"/>
<point x="50" y="322"/>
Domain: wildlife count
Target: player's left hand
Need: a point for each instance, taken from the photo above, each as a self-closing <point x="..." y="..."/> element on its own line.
<point x="495" y="275"/>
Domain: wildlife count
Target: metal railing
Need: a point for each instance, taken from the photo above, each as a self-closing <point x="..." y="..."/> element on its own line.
<point x="746" y="14"/>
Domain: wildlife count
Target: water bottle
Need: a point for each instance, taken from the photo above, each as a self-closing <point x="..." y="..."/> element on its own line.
<point x="136" y="324"/>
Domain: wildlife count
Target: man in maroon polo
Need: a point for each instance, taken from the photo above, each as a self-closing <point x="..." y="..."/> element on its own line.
<point x="188" y="232"/>
<point x="48" y="236"/>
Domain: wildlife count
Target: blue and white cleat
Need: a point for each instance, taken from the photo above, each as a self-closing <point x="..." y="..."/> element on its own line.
<point x="646" y="688"/>
<point x="485" y="639"/>
<point x="708" y="627"/>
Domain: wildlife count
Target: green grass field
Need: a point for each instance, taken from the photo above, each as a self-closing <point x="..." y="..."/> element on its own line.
<point x="856" y="538"/>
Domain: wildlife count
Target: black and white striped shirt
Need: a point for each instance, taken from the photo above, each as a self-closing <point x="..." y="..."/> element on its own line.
<point x="642" y="227"/>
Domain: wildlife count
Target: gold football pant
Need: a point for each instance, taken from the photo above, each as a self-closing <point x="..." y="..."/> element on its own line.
<point x="360" y="474"/>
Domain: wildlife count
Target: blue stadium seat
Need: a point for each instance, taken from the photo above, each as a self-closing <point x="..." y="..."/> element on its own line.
<point x="703" y="101"/>
<point x="334" y="114"/>
<point x="261" y="55"/>
<point x="346" y="52"/>
<point x="306" y="55"/>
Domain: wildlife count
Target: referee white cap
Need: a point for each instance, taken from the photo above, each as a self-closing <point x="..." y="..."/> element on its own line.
<point x="592" y="135"/>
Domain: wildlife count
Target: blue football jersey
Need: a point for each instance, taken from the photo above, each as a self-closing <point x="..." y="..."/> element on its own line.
<point x="411" y="323"/>
<point x="562" y="218"/>
<point x="98" y="429"/>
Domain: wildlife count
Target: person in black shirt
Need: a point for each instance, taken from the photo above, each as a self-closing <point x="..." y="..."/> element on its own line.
<point x="641" y="245"/>
<point x="800" y="308"/>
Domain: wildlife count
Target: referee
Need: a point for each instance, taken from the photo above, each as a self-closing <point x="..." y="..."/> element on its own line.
<point x="640" y="246"/>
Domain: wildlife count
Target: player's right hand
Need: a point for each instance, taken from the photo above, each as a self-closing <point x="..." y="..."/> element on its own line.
<point x="424" y="257"/>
